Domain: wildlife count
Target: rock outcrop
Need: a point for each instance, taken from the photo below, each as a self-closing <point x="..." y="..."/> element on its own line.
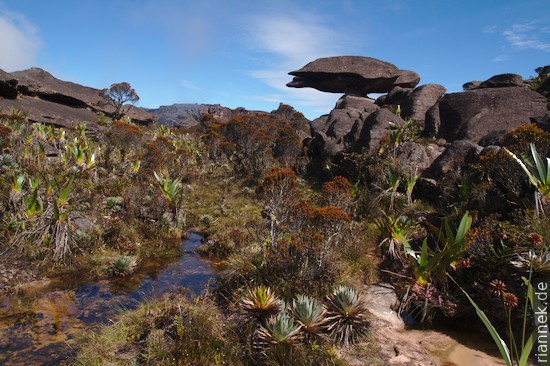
<point x="341" y="129"/>
<point x="50" y="100"/>
<point x="376" y="128"/>
<point x="477" y="112"/>
<point x="51" y="113"/>
<point x="482" y="113"/>
<point x="352" y="75"/>
<point x="416" y="104"/>
<point x="502" y="81"/>
<point x="454" y="158"/>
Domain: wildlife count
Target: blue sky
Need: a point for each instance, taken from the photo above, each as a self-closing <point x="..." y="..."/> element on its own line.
<point x="238" y="53"/>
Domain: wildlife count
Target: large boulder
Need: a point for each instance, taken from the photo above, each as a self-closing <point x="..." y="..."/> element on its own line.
<point x="340" y="129"/>
<point x="341" y="122"/>
<point x="352" y="75"/>
<point x="376" y="128"/>
<point x="415" y="157"/>
<point x="347" y="118"/>
<point x="321" y="146"/>
<point x="432" y="121"/>
<point x="319" y="125"/>
<point x="502" y="81"/>
<point x="362" y="104"/>
<point x="455" y="157"/>
<point x="474" y="113"/>
<point x="395" y="96"/>
<point x="471" y="85"/>
<point x="415" y="105"/>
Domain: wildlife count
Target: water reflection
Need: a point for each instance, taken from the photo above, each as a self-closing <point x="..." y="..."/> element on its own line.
<point x="40" y="329"/>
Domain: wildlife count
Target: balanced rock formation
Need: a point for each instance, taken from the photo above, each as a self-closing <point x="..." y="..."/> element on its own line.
<point x="485" y="109"/>
<point x="352" y="75"/>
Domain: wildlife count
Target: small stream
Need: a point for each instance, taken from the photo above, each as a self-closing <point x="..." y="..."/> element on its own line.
<point x="40" y="328"/>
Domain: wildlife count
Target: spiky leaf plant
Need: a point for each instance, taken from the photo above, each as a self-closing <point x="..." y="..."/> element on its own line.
<point x="346" y="313"/>
<point x="124" y="265"/>
<point x="260" y="303"/>
<point x="538" y="172"/>
<point x="279" y="329"/>
<point x="309" y="313"/>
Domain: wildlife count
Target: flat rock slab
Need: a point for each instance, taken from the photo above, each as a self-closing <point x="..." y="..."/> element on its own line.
<point x="380" y="300"/>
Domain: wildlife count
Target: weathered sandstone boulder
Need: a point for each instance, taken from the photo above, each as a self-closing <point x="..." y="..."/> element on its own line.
<point x="471" y="85"/>
<point x="352" y="75"/>
<point x="413" y="156"/>
<point x="474" y="113"/>
<point x="459" y="154"/>
<point x="395" y="96"/>
<point x="319" y="125"/>
<point x="322" y="146"/>
<point x="341" y="122"/>
<point x="362" y="104"/>
<point x="376" y="127"/>
<point x="415" y="105"/>
<point x="502" y="81"/>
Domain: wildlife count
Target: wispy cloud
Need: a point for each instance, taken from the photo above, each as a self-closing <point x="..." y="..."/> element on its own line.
<point x="528" y="36"/>
<point x="187" y="84"/>
<point x="19" y="41"/>
<point x="291" y="42"/>
<point x="490" y="29"/>
<point x="500" y="58"/>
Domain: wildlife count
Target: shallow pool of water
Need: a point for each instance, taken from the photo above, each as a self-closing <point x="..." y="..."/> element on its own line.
<point x="40" y="328"/>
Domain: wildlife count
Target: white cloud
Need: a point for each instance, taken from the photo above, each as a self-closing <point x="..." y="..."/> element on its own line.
<point x="187" y="84"/>
<point x="292" y="42"/>
<point x="500" y="58"/>
<point x="527" y="36"/>
<point x="19" y="41"/>
<point x="490" y="29"/>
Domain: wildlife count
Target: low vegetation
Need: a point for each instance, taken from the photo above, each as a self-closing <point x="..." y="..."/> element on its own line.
<point x="296" y="250"/>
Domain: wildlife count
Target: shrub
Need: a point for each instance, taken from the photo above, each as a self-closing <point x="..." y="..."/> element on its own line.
<point x="338" y="193"/>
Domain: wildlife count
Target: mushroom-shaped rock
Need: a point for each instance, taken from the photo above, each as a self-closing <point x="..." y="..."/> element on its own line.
<point x="352" y="75"/>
